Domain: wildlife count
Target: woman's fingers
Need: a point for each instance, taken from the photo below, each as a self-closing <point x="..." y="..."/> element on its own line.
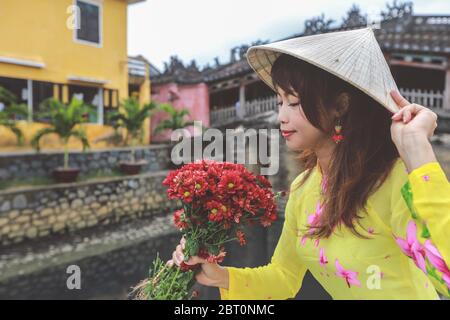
<point x="177" y="257"/>
<point x="407" y="116"/>
<point x="399" y="99"/>
<point x="407" y="112"/>
<point x="169" y="263"/>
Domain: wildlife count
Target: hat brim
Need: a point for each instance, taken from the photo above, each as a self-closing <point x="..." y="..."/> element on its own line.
<point x="261" y="59"/>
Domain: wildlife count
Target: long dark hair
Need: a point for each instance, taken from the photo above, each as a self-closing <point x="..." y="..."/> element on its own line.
<point x="361" y="162"/>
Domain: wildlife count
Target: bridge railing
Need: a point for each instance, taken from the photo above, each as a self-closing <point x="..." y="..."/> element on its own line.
<point x="433" y="99"/>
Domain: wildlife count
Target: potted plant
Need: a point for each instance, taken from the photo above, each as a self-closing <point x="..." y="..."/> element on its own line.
<point x="63" y="122"/>
<point x="10" y="111"/>
<point x="132" y="119"/>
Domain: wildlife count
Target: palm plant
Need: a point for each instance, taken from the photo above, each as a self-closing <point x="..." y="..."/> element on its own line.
<point x="64" y="119"/>
<point x="11" y="110"/>
<point x="6" y="96"/>
<point x="132" y="119"/>
<point x="176" y="120"/>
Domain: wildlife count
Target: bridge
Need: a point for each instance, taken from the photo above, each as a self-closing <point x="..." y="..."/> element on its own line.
<point x="267" y="108"/>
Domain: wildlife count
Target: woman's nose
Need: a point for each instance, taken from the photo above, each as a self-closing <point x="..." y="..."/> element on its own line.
<point x="282" y="117"/>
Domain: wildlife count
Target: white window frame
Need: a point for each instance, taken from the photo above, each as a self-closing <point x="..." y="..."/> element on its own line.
<point x="99" y="4"/>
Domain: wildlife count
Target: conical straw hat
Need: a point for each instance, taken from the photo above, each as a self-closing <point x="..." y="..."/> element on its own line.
<point x="354" y="56"/>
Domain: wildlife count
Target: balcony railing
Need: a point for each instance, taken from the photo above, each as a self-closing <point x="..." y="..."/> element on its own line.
<point x="223" y="115"/>
<point x="259" y="106"/>
<point x="228" y="115"/>
<point x="136" y="68"/>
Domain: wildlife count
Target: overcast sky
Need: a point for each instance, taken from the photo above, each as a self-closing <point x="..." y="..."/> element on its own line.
<point x="204" y="29"/>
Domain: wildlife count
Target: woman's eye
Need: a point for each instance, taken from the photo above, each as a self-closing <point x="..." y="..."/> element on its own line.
<point x="290" y="105"/>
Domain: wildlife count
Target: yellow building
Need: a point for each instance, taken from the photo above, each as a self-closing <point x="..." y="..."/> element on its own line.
<point x="66" y="48"/>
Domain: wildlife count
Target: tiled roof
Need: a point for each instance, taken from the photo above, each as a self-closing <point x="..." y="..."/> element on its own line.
<point x="411" y="33"/>
<point x="426" y="34"/>
<point x="418" y="33"/>
<point x="180" y="76"/>
<point x="229" y="70"/>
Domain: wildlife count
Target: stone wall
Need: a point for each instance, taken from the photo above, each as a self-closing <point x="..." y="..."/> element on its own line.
<point x="22" y="165"/>
<point x="29" y="213"/>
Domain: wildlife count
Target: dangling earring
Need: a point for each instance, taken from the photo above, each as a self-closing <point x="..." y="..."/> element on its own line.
<point x="338" y="137"/>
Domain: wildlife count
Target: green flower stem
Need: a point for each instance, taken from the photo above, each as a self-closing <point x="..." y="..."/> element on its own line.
<point x="173" y="281"/>
<point x="222" y="242"/>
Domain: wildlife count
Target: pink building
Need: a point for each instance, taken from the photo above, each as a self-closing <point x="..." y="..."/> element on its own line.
<point x="182" y="87"/>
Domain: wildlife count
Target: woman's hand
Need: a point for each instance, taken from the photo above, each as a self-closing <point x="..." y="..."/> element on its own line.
<point x="411" y="119"/>
<point x="211" y="274"/>
<point x="412" y="127"/>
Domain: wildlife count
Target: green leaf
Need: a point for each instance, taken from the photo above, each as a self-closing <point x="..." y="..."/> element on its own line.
<point x="7" y="97"/>
<point x="192" y="247"/>
<point x="213" y="249"/>
<point x="18" y="133"/>
<point x="39" y="134"/>
<point x="425" y="231"/>
<point x="81" y="135"/>
<point x="408" y="197"/>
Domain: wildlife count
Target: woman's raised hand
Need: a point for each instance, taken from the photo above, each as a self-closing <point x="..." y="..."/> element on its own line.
<point x="412" y="127"/>
<point x="412" y="119"/>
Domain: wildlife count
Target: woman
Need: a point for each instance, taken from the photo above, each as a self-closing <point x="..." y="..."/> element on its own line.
<point x="370" y="215"/>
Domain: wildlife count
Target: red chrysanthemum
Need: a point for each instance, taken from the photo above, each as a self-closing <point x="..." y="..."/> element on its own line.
<point x="241" y="236"/>
<point x="179" y="219"/>
<point x="230" y="182"/>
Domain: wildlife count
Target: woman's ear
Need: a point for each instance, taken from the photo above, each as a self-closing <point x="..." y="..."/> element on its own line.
<point x="342" y="104"/>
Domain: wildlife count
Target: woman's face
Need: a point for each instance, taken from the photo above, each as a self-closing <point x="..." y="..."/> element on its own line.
<point x="299" y="133"/>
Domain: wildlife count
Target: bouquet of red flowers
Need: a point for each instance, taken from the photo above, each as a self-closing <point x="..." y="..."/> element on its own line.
<point x="219" y="200"/>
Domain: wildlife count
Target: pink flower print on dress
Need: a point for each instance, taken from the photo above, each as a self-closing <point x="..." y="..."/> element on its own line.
<point x="437" y="261"/>
<point x="304" y="238"/>
<point x="426" y="178"/>
<point x="435" y="257"/>
<point x="313" y="220"/>
<point x="322" y="257"/>
<point x="349" y="276"/>
<point x="303" y="241"/>
<point x="412" y="247"/>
